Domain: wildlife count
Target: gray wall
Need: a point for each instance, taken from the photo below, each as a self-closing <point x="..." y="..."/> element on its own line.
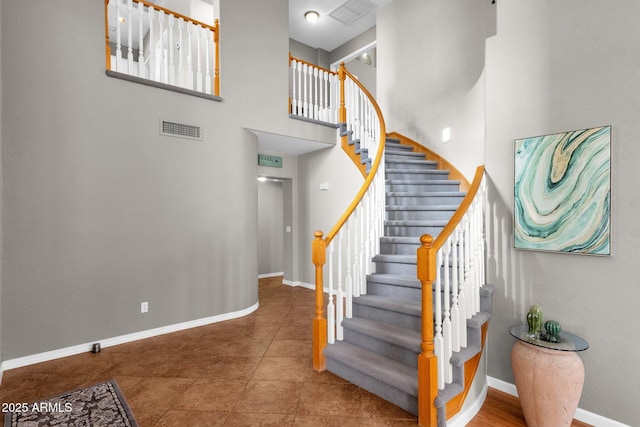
<point x="270" y="227"/>
<point x="1" y="187"/>
<point x="102" y="213"/>
<point x="430" y="74"/>
<point x="557" y="66"/>
<point x="551" y="66"/>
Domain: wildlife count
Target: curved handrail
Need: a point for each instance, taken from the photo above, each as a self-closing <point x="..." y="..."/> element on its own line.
<point x="456" y="218"/>
<point x="374" y="168"/>
<point x="302" y="61"/>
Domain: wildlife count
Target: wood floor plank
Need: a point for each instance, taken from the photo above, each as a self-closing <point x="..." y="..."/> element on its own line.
<point x="503" y="410"/>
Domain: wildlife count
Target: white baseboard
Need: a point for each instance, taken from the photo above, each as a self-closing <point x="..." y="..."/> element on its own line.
<point x="267" y="275"/>
<point x="580" y="415"/>
<point x="108" y="342"/>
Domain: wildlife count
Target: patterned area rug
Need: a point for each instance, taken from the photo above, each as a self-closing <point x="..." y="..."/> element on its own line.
<point x="98" y="405"/>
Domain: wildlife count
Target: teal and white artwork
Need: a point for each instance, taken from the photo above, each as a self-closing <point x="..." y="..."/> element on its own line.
<point x="563" y="192"/>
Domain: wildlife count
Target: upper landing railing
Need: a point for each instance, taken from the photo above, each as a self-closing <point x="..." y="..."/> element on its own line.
<point x="149" y="42"/>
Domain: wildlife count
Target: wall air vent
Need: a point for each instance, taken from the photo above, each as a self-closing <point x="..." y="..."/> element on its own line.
<point x="351" y="10"/>
<point x="180" y="130"/>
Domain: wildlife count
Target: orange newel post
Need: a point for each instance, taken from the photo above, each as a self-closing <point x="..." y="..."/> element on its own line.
<point x="318" y="255"/>
<point x="216" y="71"/>
<point x="342" y="111"/>
<point x="427" y="363"/>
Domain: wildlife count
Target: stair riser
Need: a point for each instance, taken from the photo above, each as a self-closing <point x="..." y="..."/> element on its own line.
<point x="418" y="188"/>
<point x="411" y="214"/>
<point x="391" y="351"/>
<point x="397" y="155"/>
<point x="396" y="268"/>
<point x="418" y="175"/>
<point x="381" y="315"/>
<point x="407" y="231"/>
<point x="401" y="164"/>
<point x="423" y="200"/>
<point x="396" y="148"/>
<point x="399" y="248"/>
<point x="377" y="288"/>
<point x="404" y="400"/>
<point x="401" y="269"/>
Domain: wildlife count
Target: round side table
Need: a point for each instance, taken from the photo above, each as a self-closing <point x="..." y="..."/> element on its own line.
<point x="549" y="376"/>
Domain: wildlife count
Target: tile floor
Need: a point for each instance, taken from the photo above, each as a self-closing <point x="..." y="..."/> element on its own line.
<point x="253" y="371"/>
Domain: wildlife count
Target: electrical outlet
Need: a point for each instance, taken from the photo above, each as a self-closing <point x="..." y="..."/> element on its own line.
<point x="144" y="307"/>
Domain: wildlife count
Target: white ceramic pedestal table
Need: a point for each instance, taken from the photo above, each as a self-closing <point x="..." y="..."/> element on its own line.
<point x="549" y="376"/>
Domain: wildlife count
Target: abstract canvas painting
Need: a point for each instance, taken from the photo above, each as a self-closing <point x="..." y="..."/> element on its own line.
<point x="563" y="192"/>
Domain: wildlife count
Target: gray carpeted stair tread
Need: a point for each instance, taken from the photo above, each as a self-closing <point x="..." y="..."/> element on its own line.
<point x="396" y="335"/>
<point x="410" y="162"/>
<point x="388" y="371"/>
<point x="391" y="304"/>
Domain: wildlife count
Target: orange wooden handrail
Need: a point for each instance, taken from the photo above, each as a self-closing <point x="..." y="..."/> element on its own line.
<point x="462" y="209"/>
<point x="376" y="162"/>
<point x="318" y="249"/>
<point x="302" y="61"/>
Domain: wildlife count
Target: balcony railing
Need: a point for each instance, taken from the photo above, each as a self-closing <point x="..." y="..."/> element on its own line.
<point x="154" y="44"/>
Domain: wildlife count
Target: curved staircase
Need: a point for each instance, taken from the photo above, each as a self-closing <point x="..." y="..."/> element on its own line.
<point x="382" y="340"/>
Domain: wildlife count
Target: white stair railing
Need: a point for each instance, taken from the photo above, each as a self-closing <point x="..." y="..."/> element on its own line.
<point x="150" y="42"/>
<point x="313" y="92"/>
<point x="348" y="248"/>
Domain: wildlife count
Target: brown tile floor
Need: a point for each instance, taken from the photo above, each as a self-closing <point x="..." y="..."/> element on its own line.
<point x="253" y="371"/>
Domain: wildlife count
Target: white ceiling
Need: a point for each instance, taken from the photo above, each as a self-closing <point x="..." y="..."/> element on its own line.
<point x="329" y="33"/>
<point x="274" y="143"/>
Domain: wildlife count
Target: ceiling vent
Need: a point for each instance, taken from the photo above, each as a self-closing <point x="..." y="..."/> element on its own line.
<point x="351" y="10"/>
<point x="180" y="130"/>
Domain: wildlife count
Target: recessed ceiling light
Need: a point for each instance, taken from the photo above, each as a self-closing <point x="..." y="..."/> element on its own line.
<point x="312" y="16"/>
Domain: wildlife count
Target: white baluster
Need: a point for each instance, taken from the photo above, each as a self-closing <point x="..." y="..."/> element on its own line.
<point x="208" y="39"/>
<point x="316" y="110"/>
<point x="118" y="39"/>
<point x="467" y="267"/>
<point x="340" y="292"/>
<point x="130" y="38"/>
<point x="473" y="277"/>
<point x="190" y="28"/>
<point x="357" y="271"/>
<point x="142" y="71"/>
<point x="153" y="69"/>
<point x="180" y="49"/>
<point x="446" y="322"/>
<point x="171" y="47"/>
<point x="163" y="63"/>
<point x="455" y="309"/>
<point x="462" y="300"/>
<point x="437" y="313"/>
<point x="294" y="101"/>
<point x="349" y="304"/>
<point x="199" y="31"/>
<point x="331" y="313"/>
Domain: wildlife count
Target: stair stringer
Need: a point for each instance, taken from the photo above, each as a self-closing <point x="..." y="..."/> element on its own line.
<point x="359" y="156"/>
